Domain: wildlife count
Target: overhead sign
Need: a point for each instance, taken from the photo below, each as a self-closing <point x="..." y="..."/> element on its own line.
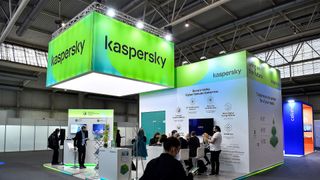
<point x="101" y="44"/>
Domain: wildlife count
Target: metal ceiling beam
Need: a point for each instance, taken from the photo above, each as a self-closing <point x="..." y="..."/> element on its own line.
<point x="13" y="20"/>
<point x="18" y="76"/>
<point x="283" y="39"/>
<point x="196" y="13"/>
<point x="243" y="21"/>
<point x="31" y="17"/>
<point x="127" y="7"/>
<point x="284" y="23"/>
<point x="228" y="12"/>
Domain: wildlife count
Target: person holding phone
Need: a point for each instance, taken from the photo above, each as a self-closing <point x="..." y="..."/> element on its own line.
<point x="215" y="150"/>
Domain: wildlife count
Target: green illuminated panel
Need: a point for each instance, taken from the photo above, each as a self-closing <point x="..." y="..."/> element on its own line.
<point x="98" y="43"/>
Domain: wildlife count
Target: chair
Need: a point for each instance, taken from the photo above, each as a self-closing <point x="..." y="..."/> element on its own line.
<point x="183" y="155"/>
<point x="200" y="154"/>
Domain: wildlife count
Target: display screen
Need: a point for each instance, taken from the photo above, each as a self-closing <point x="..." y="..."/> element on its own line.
<point x="201" y="126"/>
<point x="74" y="128"/>
<point x="98" y="129"/>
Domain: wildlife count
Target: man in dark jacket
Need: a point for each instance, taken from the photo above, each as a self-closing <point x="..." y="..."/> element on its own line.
<point x="194" y="143"/>
<point x="166" y="167"/>
<point x="80" y="141"/>
<point x="53" y="143"/>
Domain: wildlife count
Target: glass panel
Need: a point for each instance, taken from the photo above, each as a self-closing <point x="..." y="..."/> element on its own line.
<point x="12" y="138"/>
<point x="41" y="138"/>
<point x="27" y="138"/>
<point x="2" y="130"/>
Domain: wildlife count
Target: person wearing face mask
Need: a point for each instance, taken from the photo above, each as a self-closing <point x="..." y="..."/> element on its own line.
<point x="166" y="166"/>
<point x="155" y="140"/>
<point x="80" y="141"/>
<point x="215" y="150"/>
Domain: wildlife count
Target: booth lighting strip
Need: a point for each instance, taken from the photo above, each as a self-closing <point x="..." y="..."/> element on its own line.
<point x="57" y="170"/>
<point x="89" y="165"/>
<point x="95" y="6"/>
<point x="259" y="171"/>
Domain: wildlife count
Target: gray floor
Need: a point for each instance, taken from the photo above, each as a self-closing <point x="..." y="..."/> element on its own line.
<point x="28" y="165"/>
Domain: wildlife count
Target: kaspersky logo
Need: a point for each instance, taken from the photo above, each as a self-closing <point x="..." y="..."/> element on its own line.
<point x="133" y="53"/>
<point x="76" y="48"/>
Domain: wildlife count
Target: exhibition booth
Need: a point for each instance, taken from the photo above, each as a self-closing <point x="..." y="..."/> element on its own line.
<point x="238" y="92"/>
<point x="298" y="128"/>
<point x="104" y="55"/>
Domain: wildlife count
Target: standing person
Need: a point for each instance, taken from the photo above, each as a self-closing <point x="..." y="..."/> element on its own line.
<point x="53" y="143"/>
<point x="166" y="167"/>
<point x="80" y="141"/>
<point x="155" y="140"/>
<point x="118" y="138"/>
<point x="206" y="146"/>
<point x="215" y="149"/>
<point x="140" y="146"/>
<point x="194" y="143"/>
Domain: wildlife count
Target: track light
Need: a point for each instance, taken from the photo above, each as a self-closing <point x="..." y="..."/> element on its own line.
<point x="186" y="24"/>
<point x="111" y="12"/>
<point x="140" y="25"/>
<point x="168" y="37"/>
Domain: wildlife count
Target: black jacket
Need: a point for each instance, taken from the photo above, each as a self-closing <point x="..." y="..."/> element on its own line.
<point x="78" y="138"/>
<point x="54" y="138"/>
<point x="183" y="143"/>
<point x="165" y="167"/>
<point x="194" y="143"/>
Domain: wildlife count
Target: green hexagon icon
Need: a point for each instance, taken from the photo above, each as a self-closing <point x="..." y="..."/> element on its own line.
<point x="124" y="169"/>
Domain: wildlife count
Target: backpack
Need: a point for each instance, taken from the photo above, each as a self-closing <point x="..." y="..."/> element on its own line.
<point x="50" y="141"/>
<point x="202" y="167"/>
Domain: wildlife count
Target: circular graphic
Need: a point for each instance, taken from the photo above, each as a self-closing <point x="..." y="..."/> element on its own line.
<point x="178" y="110"/>
<point x="228" y="127"/>
<point x="192" y="101"/>
<point x="227" y="106"/>
<point x="210" y="100"/>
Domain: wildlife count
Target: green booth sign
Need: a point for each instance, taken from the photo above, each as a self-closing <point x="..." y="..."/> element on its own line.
<point x="101" y="44"/>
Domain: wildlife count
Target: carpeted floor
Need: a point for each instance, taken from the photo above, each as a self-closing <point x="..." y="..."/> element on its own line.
<point x="28" y="166"/>
<point x="294" y="168"/>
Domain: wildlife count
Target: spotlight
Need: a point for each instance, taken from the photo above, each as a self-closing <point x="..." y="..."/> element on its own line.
<point x="186" y="24"/>
<point x="185" y="62"/>
<point x="111" y="12"/>
<point x="168" y="37"/>
<point x="63" y="24"/>
<point x="223" y="52"/>
<point x="203" y="57"/>
<point x="140" y="25"/>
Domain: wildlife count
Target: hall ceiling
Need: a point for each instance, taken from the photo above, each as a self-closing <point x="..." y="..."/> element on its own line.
<point x="232" y="25"/>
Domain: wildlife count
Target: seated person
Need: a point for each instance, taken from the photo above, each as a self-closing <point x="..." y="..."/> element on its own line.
<point x="166" y="166"/>
<point x="155" y="140"/>
<point x="163" y="138"/>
